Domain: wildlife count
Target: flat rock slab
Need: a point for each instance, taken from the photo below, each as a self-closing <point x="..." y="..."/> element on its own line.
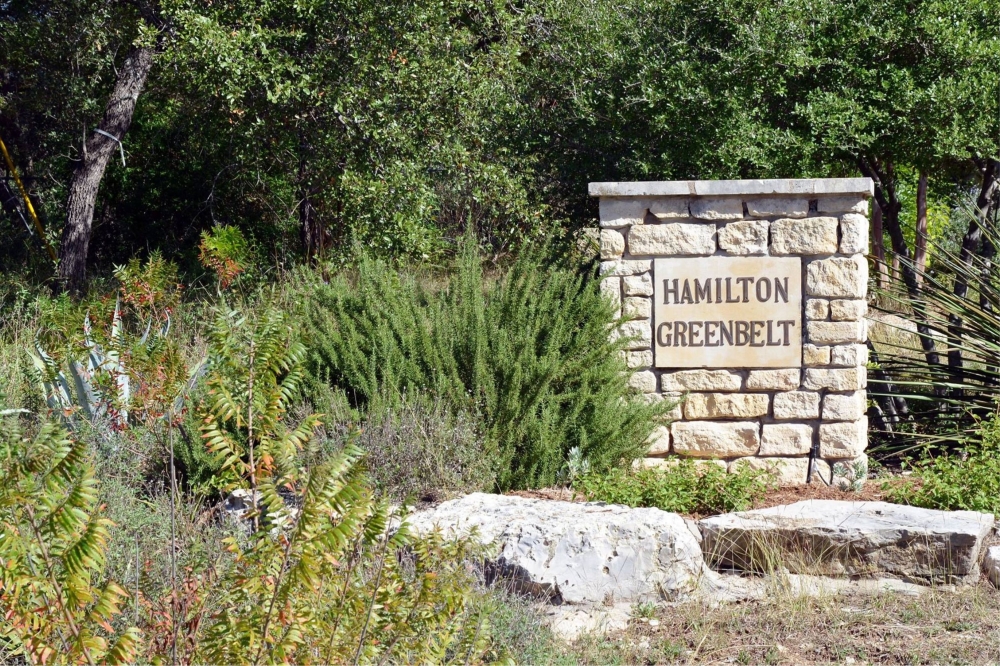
<point x="835" y="538"/>
<point x="991" y="565"/>
<point x="576" y="553"/>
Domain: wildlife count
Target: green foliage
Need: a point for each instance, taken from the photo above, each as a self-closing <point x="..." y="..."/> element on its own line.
<point x="686" y="487"/>
<point x="330" y="580"/>
<point x="529" y="353"/>
<point x="956" y="481"/>
<point x="96" y="388"/>
<point x="110" y="358"/>
<point x="255" y="367"/>
<point x="941" y="401"/>
<point x="51" y="551"/>
<point x="226" y="251"/>
<point x="420" y="449"/>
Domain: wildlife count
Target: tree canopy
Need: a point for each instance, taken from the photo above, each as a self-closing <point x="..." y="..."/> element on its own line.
<point x="323" y="125"/>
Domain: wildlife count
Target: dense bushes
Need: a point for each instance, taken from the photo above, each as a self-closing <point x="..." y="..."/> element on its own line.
<point x="528" y="353"/>
<point x="967" y="480"/>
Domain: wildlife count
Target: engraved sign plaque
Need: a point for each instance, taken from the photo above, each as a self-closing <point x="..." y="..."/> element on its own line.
<point x="727" y="312"/>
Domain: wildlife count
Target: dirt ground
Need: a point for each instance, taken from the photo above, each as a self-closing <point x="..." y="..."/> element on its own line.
<point x="937" y="627"/>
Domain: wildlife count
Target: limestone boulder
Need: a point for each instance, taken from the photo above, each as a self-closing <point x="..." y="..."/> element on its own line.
<point x="576" y="553"/>
<point x="991" y="565"/>
<point x="828" y="537"/>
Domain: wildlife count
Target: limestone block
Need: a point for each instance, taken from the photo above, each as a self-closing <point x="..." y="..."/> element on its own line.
<point x="786" y="439"/>
<point x="612" y="244"/>
<point x="836" y="538"/>
<point x="640" y="331"/>
<point x="624" y="267"/>
<point x="849" y="356"/>
<point x="612" y="288"/>
<point x="813" y="355"/>
<point x="786" y="471"/>
<point x="638" y="285"/>
<point x="817" y="308"/>
<point x="637" y="307"/>
<point x="573" y="552"/>
<point x="773" y="207"/>
<point x="659" y="441"/>
<point x="676" y="401"/>
<point x="717" y="209"/>
<point x="835" y="379"/>
<point x="843" y="440"/>
<point x="744" y="237"/>
<point x="643" y="381"/>
<point x="622" y="211"/>
<point x="848" y="310"/>
<point x="773" y="380"/>
<point x="715" y="439"/>
<point x="725" y="405"/>
<point x="639" y="359"/>
<point x="796" y="405"/>
<point x="814" y="235"/>
<point x="838" y="277"/>
<point x="836" y="332"/>
<point x="667" y="208"/>
<point x="700" y="380"/>
<point x="853" y="234"/>
<point x="842" y="205"/>
<point x="672" y="238"/>
<point x="845" y="406"/>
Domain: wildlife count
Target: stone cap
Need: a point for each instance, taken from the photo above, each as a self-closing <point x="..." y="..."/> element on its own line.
<point x="722" y="188"/>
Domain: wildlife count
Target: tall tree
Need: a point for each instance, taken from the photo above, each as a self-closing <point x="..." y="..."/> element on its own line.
<point x="104" y="141"/>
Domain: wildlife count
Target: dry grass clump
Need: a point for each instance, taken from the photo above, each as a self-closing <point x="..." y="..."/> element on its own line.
<point x="937" y="627"/>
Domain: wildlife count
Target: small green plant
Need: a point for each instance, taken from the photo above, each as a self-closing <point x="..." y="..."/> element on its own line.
<point x="645" y="609"/>
<point x="851" y="476"/>
<point x="52" y="552"/>
<point x="969" y="481"/>
<point x="226" y="251"/>
<point x="576" y="465"/>
<point x="686" y="487"/>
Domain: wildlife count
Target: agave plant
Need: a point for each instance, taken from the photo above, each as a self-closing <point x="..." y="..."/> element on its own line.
<point x="96" y="387"/>
<point x="933" y="388"/>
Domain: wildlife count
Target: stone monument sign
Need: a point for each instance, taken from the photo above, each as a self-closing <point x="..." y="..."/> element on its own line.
<point x="722" y="312"/>
<point x="745" y="306"/>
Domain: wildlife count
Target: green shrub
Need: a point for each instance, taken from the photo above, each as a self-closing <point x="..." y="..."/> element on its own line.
<point x="969" y="481"/>
<point x="322" y="577"/>
<point x="685" y="488"/>
<point x="528" y="353"/>
<point x="52" y="551"/>
<point x="421" y="448"/>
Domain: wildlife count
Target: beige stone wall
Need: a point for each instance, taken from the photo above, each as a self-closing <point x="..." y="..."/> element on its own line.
<point x="775" y="418"/>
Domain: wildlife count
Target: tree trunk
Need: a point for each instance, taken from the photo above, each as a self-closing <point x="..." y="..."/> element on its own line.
<point x="878" y="245"/>
<point x="97" y="150"/>
<point x="920" y="242"/>
<point x="887" y="199"/>
<point x="970" y="246"/>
